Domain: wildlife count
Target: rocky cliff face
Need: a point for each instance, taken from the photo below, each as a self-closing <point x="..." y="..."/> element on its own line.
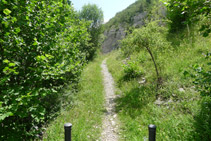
<point x="138" y="19"/>
<point x="134" y="16"/>
<point x="114" y="34"/>
<point x="111" y="38"/>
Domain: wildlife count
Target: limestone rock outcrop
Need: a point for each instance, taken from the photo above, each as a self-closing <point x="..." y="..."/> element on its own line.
<point x="114" y="34"/>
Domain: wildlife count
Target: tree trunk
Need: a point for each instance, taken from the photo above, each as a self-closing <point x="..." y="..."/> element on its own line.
<point x="155" y="65"/>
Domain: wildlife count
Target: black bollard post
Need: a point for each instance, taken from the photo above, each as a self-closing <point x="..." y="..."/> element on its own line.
<point x="67" y="131"/>
<point x="152" y="132"/>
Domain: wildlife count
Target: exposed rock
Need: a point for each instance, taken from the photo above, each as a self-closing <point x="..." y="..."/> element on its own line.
<point x="174" y="95"/>
<point x="142" y="81"/>
<point x="159" y="102"/>
<point x="138" y="20"/>
<point x="170" y="101"/>
<point x="112" y="36"/>
<point x="181" y="90"/>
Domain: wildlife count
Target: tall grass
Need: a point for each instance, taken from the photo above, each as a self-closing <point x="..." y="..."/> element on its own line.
<point x="87" y="109"/>
<point x="176" y="110"/>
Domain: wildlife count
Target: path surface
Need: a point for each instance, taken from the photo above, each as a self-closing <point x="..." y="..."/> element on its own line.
<point x="110" y="127"/>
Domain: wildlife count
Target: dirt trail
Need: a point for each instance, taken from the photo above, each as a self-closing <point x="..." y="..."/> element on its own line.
<point x="110" y="127"/>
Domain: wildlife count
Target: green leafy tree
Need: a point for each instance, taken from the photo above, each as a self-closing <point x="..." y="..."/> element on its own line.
<point x="152" y="38"/>
<point x="94" y="15"/>
<point x="42" y="47"/>
<point x="186" y="12"/>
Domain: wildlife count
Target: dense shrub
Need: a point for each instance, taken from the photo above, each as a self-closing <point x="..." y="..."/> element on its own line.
<point x="152" y="39"/>
<point x="43" y="46"/>
<point x="132" y="70"/>
<point x="202" y="81"/>
<point x="184" y="13"/>
<point x="203" y="77"/>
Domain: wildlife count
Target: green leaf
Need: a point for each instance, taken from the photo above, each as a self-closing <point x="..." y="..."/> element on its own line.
<point x="27" y="17"/>
<point x="6" y="61"/>
<point x="54" y="91"/>
<point x="177" y="4"/>
<point x="14" y="19"/>
<point x="1" y="41"/>
<point x="4" y="1"/>
<point x="42" y="57"/>
<point x="17" y="30"/>
<point x="6" y="11"/>
<point x="6" y="70"/>
<point x="3" y="116"/>
<point x="11" y="64"/>
<point x="35" y="43"/>
<point x="186" y="73"/>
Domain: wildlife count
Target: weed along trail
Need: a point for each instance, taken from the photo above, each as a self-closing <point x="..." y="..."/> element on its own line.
<point x="110" y="127"/>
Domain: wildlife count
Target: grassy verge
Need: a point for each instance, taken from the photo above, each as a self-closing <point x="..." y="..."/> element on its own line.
<point x="177" y="112"/>
<point x="86" y="112"/>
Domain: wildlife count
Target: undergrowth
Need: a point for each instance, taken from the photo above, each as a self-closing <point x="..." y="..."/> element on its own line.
<point x="178" y="109"/>
<point x="85" y="110"/>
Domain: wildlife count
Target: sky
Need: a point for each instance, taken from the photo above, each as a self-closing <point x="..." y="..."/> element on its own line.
<point x="109" y="7"/>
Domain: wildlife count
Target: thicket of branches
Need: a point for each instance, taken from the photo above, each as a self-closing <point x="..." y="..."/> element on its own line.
<point x="43" y="46"/>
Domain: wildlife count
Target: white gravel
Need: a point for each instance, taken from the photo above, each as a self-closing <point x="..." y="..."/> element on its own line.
<point x="110" y="126"/>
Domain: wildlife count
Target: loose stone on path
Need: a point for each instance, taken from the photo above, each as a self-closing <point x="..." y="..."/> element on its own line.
<point x="110" y="127"/>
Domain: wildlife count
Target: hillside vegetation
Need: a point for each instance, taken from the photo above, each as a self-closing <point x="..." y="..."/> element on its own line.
<point x="177" y="109"/>
<point x="44" y="46"/>
<point x="125" y="17"/>
<point x="163" y="76"/>
<point x="162" y="70"/>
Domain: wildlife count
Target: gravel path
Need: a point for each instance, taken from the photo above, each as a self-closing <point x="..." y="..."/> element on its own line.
<point x="110" y="127"/>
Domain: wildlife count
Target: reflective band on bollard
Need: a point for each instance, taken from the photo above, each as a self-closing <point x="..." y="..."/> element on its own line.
<point x="152" y="132"/>
<point x="67" y="131"/>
